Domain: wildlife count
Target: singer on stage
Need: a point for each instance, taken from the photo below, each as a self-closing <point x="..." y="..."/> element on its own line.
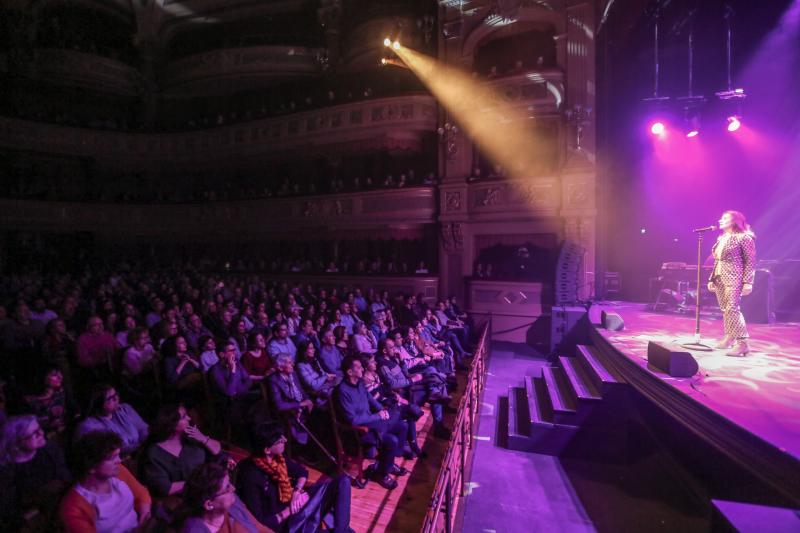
<point x="732" y="277"/>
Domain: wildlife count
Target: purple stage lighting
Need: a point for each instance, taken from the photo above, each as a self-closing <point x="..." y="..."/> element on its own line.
<point x="657" y="128"/>
<point x="734" y="123"/>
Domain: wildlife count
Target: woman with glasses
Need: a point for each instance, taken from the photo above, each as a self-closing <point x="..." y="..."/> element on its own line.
<point x="211" y="504"/>
<point x="32" y="472"/>
<point x="108" y="413"/>
<point x="107" y="498"/>
<point x="177" y="447"/>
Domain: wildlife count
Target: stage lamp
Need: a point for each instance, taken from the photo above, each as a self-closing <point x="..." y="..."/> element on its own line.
<point x="387" y="42"/>
<point x="396" y="45"/>
<point x="657" y="128"/>
<point x="734" y="123"/>
<point x="692" y="134"/>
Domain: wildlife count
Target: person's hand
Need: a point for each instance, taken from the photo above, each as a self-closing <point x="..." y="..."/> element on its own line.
<point x="416" y="377"/>
<point x="384" y="414"/>
<point x="193" y="433"/>
<point x="299" y="499"/>
<point x="308" y="404"/>
<point x="712" y="287"/>
<point x="747" y="288"/>
<point x="400" y="399"/>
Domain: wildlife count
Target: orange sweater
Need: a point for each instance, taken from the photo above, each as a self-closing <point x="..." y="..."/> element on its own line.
<point x="78" y="516"/>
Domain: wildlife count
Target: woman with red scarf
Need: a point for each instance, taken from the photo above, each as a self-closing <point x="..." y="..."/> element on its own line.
<point x="274" y="488"/>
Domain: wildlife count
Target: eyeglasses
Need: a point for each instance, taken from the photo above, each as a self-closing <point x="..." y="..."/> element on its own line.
<point x="39" y="432"/>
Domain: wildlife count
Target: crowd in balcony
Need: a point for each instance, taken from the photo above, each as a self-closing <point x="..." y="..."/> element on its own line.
<point x="136" y="396"/>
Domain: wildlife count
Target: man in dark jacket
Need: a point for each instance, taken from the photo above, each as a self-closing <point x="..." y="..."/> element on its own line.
<point x="274" y="488"/>
<point x="289" y="398"/>
<point x="387" y="431"/>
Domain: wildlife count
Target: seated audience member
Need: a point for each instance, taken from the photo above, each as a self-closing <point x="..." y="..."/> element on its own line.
<point x="166" y="329"/>
<point x="452" y="323"/>
<point x="439" y="333"/>
<point x="364" y="340"/>
<point x="107" y="498"/>
<point x="289" y="398"/>
<point x="181" y="369"/>
<point x="33" y="473"/>
<point x="96" y="348"/>
<point x="379" y="327"/>
<point x="358" y="408"/>
<point x="342" y="339"/>
<point x="232" y="383"/>
<point x="317" y="382"/>
<point x="140" y="354"/>
<point x="211" y="506"/>
<point x="281" y="343"/>
<point x="176" y="448"/>
<point x="307" y="334"/>
<point x="58" y="346"/>
<point x="208" y="353"/>
<point x="54" y="407"/>
<point x="107" y="413"/>
<point x="123" y="336"/>
<point x="274" y="488"/>
<point x="256" y="360"/>
<point x="330" y="356"/>
<point x="349" y="318"/>
<point x="416" y="388"/>
<point x="238" y="336"/>
<point x="409" y="412"/>
<point x="195" y="330"/>
<point x="293" y="320"/>
<point x="41" y="313"/>
<point x="441" y="360"/>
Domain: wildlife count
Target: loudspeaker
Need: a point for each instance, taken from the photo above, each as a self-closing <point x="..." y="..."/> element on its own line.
<point x="611" y="321"/>
<point x="568" y="265"/>
<point x="676" y="364"/>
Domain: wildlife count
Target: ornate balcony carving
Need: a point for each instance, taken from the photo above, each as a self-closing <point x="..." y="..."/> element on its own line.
<point x="400" y="209"/>
<point x="80" y="69"/>
<point x="205" y="73"/>
<point x="393" y="124"/>
<point x="539" y="92"/>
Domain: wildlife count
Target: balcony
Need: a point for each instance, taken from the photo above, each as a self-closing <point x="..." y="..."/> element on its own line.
<point x="400" y="212"/>
<point x="393" y="124"/>
<point x="226" y="71"/>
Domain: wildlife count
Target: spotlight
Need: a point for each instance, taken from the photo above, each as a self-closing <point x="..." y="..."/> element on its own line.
<point x="657" y="128"/>
<point x="734" y="123"/>
<point x="384" y="61"/>
<point x="692" y="134"/>
<point x="396" y="45"/>
<point x="387" y="42"/>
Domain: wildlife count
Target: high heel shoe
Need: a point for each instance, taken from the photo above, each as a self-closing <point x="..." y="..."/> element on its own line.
<point x="725" y="343"/>
<point x="740" y="350"/>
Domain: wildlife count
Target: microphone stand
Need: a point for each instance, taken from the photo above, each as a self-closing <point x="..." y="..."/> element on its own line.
<point x="697" y="345"/>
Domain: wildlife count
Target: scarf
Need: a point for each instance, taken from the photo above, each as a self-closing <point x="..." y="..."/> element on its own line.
<point x="276" y="469"/>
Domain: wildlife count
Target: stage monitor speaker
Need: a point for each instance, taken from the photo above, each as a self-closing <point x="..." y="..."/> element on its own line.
<point x="611" y="321"/>
<point x="676" y="364"/>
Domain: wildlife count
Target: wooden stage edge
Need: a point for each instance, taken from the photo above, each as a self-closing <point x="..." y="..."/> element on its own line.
<point x="747" y="408"/>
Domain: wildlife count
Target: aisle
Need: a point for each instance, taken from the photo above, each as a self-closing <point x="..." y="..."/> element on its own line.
<point x="514" y="491"/>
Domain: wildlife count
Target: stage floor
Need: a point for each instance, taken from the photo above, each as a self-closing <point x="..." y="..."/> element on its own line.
<point x="760" y="392"/>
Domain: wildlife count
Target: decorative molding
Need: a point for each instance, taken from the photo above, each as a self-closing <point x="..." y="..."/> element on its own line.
<point x="452" y="201"/>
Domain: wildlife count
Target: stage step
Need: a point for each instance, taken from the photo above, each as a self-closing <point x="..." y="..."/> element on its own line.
<point x="581" y="385"/>
<point x="518" y="423"/>
<point x="530" y="425"/>
<point x="560" y="394"/>
<point x="754" y="518"/>
<point x="540" y="412"/>
<point x="599" y="375"/>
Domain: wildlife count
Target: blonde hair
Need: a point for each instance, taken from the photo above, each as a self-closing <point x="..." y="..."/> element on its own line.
<point x="740" y="222"/>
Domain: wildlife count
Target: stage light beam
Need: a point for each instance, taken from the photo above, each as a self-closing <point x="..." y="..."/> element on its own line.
<point x="734" y="123"/>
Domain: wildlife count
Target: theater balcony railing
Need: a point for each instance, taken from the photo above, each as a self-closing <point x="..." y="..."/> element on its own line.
<point x="83" y="70"/>
<point x="538" y="92"/>
<point x="394" y="124"/>
<point x="213" y="72"/>
<point x="393" y="213"/>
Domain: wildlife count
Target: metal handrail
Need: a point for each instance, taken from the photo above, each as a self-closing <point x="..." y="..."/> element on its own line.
<point x="451" y="483"/>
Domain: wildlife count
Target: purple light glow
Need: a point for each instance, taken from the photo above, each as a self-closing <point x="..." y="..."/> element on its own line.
<point x="657" y="128"/>
<point x="734" y="123"/>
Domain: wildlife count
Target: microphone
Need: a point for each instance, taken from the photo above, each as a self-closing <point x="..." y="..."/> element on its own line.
<point x="701" y="230"/>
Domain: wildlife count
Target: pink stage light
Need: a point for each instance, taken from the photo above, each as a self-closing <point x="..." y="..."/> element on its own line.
<point x="657" y="128"/>
<point x="734" y="123"/>
<point x="692" y="134"/>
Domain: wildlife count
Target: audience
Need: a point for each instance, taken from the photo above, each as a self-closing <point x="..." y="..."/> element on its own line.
<point x="246" y="318"/>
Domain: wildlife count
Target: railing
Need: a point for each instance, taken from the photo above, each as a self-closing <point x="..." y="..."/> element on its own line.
<point x="451" y="483"/>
